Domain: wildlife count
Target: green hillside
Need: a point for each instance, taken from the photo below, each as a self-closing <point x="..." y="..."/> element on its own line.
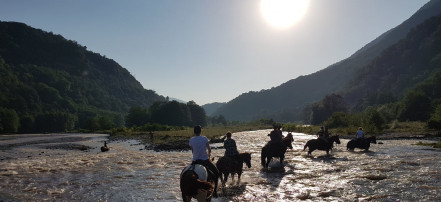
<point x="51" y="84"/>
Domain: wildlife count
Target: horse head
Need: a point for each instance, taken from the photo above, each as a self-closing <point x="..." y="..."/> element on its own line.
<point x="246" y="157"/>
<point x="287" y="141"/>
<point x="335" y="139"/>
<point x="373" y="139"/>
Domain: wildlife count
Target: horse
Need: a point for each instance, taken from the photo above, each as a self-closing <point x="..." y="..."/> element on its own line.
<point x="361" y="143"/>
<point x="276" y="150"/>
<point x="227" y="165"/>
<point x="321" y="144"/>
<point x="196" y="183"/>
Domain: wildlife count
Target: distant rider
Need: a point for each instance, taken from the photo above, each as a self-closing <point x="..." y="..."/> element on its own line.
<point x="323" y="134"/>
<point x="360" y="133"/>
<point x="276" y="137"/>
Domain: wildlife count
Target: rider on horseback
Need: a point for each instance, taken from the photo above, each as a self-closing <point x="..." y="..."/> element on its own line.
<point x="360" y="135"/>
<point x="276" y="137"/>
<point x="199" y="146"/>
<point x="230" y="146"/>
<point x="323" y="134"/>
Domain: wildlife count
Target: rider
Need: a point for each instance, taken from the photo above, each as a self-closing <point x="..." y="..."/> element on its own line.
<point x="360" y="133"/>
<point x="199" y="146"/>
<point x="230" y="146"/>
<point x="323" y="134"/>
<point x="276" y="136"/>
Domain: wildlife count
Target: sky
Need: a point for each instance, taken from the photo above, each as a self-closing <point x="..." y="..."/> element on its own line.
<point x="212" y="51"/>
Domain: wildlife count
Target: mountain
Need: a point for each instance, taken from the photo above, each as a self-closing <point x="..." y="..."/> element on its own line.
<point x="287" y="101"/>
<point x="412" y="60"/>
<point x="210" y="108"/>
<point x="46" y="77"/>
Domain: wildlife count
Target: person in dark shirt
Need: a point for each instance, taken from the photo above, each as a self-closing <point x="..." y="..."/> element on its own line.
<point x="230" y="146"/>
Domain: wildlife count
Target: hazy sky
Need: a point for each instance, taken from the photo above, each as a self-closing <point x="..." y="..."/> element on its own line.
<point x="212" y="51"/>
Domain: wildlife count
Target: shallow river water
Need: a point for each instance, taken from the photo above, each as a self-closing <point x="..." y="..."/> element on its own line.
<point x="36" y="168"/>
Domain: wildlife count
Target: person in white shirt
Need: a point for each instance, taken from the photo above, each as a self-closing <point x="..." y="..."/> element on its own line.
<point x="200" y="148"/>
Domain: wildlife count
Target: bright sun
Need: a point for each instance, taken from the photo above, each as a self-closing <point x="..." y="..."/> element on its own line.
<point x="283" y="13"/>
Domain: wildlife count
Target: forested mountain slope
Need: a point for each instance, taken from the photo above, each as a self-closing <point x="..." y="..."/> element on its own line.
<point x="46" y="78"/>
<point x="400" y="67"/>
<point x="287" y="101"/>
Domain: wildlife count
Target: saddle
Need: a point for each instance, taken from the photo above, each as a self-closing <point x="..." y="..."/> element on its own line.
<point x="199" y="169"/>
<point x="201" y="163"/>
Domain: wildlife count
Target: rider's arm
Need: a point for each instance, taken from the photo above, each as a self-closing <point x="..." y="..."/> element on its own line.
<point x="208" y="149"/>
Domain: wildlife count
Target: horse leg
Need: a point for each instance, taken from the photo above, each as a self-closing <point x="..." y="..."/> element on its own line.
<point x="268" y="161"/>
<point x="262" y="158"/>
<point x="310" y="151"/>
<point x="226" y="177"/>
<point x="238" y="177"/>
<point x="201" y="196"/>
<point x="281" y="160"/>
<point x="186" y="198"/>
<point x="232" y="178"/>
<point x="222" y="178"/>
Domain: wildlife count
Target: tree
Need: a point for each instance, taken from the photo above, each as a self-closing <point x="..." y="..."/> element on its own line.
<point x="9" y="121"/>
<point x="321" y="111"/>
<point x="435" y="119"/>
<point x="55" y="121"/>
<point x="171" y="113"/>
<point x="372" y="120"/>
<point x="198" y="116"/>
<point x="415" y="106"/>
<point x="338" y="119"/>
<point x="137" y="116"/>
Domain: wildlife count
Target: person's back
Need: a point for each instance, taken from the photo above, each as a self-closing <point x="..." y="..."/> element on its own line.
<point x="276" y="136"/>
<point x="199" y="146"/>
<point x="230" y="147"/>
<point x="322" y="134"/>
<point x="360" y="133"/>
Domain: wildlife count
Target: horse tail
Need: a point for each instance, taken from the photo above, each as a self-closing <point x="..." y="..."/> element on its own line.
<point x="304" y="148"/>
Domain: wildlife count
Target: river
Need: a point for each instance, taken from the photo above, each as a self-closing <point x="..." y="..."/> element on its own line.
<point x="61" y="167"/>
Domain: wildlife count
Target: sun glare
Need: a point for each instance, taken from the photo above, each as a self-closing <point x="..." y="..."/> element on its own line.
<point x="283" y="13"/>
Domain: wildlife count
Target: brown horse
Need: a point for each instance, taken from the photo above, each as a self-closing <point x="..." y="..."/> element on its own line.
<point x="276" y="150"/>
<point x="321" y="144"/>
<point x="361" y="143"/>
<point x="227" y="165"/>
<point x="195" y="183"/>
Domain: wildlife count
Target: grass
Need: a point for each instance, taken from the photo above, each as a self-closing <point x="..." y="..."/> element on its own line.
<point x="178" y="139"/>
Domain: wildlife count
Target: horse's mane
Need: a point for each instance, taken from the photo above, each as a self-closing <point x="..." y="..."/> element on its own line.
<point x="246" y="155"/>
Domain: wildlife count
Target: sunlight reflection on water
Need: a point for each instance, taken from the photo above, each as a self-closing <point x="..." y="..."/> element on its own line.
<point x="129" y="173"/>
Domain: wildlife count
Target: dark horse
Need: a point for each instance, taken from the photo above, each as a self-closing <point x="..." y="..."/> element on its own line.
<point x="321" y="144"/>
<point x="227" y="165"/>
<point x="361" y="143"/>
<point x="276" y="150"/>
<point x="196" y="183"/>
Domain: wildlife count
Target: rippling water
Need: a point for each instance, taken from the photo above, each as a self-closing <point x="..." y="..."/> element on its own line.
<point x="41" y="171"/>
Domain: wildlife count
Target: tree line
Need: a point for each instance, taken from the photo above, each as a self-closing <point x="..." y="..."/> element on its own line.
<point x="420" y="103"/>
